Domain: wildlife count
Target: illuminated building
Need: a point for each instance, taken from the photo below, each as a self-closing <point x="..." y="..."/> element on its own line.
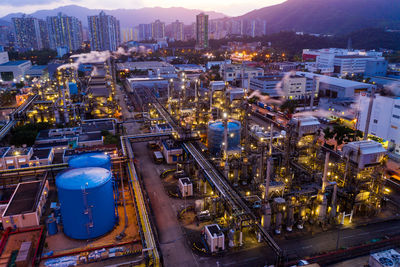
<point x="202" y="31"/>
<point x="64" y="31"/>
<point x="104" y="31"/>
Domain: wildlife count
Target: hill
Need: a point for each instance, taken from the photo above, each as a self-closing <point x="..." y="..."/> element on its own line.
<point x="329" y="16"/>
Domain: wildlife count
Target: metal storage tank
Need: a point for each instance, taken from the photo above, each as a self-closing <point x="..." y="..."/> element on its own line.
<point x="216" y="136"/>
<point x="91" y="160"/>
<point x="87" y="202"/>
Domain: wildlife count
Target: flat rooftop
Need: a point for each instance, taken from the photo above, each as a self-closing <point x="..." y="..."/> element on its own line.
<point x="214" y="229"/>
<point x="334" y="80"/>
<point x="24" y="198"/>
<point x="19" y="151"/>
<point x="15" y="63"/>
<point x="352" y="56"/>
<point x="3" y="151"/>
<point x="97" y="126"/>
<point x="41" y="153"/>
<point x="185" y="180"/>
<point x="90" y="137"/>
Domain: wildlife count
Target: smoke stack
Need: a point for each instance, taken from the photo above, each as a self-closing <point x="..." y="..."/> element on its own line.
<point x="267" y="179"/>
<point x="371" y="103"/>
<point x="324" y="177"/>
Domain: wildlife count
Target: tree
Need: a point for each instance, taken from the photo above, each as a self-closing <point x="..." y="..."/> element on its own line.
<point x="26" y="134"/>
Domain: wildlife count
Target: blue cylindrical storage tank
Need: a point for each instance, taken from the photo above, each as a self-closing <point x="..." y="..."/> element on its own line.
<point x="87" y="202"/>
<point x="216" y="136"/>
<point x="52" y="228"/>
<point x="101" y="160"/>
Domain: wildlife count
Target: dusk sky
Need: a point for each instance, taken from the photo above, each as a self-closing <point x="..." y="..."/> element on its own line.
<point x="228" y="7"/>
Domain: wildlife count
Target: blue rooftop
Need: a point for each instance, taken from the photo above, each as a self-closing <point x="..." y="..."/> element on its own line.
<point x="39" y="67"/>
<point x="14" y="63"/>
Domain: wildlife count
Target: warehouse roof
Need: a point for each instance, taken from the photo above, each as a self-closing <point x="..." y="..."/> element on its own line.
<point x="15" y="63"/>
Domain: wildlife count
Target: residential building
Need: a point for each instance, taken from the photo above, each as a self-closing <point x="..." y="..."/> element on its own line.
<point x="202" y="31"/>
<point x="177" y="30"/>
<point x="385" y="119"/>
<point x="158" y="30"/>
<point x="104" y="32"/>
<point x="44" y="34"/>
<point x="145" y="32"/>
<point x="65" y="31"/>
<point x="27" y="32"/>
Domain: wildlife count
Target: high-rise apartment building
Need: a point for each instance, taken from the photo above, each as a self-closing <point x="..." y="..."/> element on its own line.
<point x="177" y="30"/>
<point x="158" y="30"/>
<point x="201" y="31"/>
<point x="27" y="32"/>
<point x="65" y="31"/>
<point x="44" y="33"/>
<point x="144" y="32"/>
<point x="104" y="32"/>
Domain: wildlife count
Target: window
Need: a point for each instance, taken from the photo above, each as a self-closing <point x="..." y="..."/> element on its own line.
<point x="396" y="116"/>
<point x="375" y="121"/>
<point x="397" y="106"/>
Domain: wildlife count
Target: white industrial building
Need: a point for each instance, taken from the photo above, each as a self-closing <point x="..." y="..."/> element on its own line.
<point x="346" y="62"/>
<point x="290" y="86"/>
<point x="305" y="125"/>
<point x="214" y="237"/>
<point x="172" y="152"/>
<point x="185" y="187"/>
<point x="239" y="72"/>
<point x="364" y="153"/>
<point x="14" y="70"/>
<point x="336" y="87"/>
<point x="26" y="205"/>
<point x="153" y="68"/>
<point x="385" y="119"/>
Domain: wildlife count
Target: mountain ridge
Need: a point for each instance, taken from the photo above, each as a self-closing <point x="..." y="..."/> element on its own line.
<point x="329" y="16"/>
<point x="141" y="15"/>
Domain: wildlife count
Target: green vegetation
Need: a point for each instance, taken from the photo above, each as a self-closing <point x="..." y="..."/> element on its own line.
<point x="26" y="134"/>
<point x="39" y="57"/>
<point x="110" y="139"/>
<point x="342" y="134"/>
<point x="7" y="98"/>
<point x="289" y="106"/>
<point x="291" y="44"/>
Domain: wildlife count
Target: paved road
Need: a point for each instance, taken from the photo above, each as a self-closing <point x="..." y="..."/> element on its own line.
<point x="172" y="239"/>
<point x="310" y="245"/>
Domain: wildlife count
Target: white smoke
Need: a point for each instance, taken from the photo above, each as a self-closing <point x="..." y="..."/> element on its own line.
<point x="393" y="88"/>
<point x="265" y="98"/>
<point x="100" y="56"/>
<point x="278" y="89"/>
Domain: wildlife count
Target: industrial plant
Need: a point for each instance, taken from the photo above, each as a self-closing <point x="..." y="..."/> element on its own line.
<point x="129" y="160"/>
